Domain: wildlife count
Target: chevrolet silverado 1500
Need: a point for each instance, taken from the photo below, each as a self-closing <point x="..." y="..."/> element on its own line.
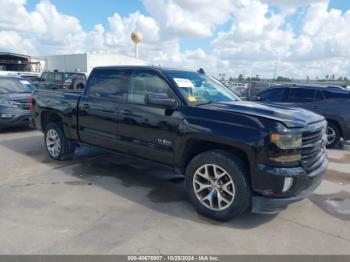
<point x="235" y="155"/>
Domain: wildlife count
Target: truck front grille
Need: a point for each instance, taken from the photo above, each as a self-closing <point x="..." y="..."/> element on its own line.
<point x="24" y="104"/>
<point x="313" y="150"/>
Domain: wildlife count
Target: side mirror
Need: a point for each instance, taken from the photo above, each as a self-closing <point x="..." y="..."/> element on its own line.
<point x="161" y="99"/>
<point x="254" y="98"/>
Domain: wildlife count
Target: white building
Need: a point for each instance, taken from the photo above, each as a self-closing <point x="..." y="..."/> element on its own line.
<point x="86" y="62"/>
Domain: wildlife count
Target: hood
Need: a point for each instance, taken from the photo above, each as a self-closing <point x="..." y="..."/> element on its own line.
<point x="290" y="116"/>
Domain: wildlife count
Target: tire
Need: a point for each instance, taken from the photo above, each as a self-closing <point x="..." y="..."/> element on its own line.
<point x="58" y="147"/>
<point x="77" y="85"/>
<point x="235" y="170"/>
<point x="334" y="135"/>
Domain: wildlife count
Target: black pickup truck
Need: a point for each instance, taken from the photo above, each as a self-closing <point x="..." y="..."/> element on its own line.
<point x="235" y="155"/>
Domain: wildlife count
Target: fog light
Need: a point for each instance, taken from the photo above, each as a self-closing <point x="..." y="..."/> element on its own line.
<point x="287" y="158"/>
<point x="288" y="182"/>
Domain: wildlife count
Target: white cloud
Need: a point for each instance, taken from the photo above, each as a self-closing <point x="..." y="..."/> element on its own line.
<point x="257" y="36"/>
<point x="121" y="28"/>
<point x="189" y="18"/>
<point x="289" y="6"/>
<point x="254" y="35"/>
<point x="13" y="42"/>
<point x="263" y="38"/>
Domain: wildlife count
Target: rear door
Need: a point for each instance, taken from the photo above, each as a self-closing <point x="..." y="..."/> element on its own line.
<point x="98" y="107"/>
<point x="302" y="97"/>
<point x="333" y="104"/>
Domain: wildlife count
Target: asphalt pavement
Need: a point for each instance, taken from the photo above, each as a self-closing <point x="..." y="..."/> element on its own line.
<point x="100" y="203"/>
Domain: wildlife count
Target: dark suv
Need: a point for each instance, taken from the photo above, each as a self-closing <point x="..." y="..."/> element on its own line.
<point x="15" y="95"/>
<point x="62" y="80"/>
<point x="332" y="103"/>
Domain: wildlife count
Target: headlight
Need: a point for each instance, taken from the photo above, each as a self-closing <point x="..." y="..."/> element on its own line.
<point x="287" y="141"/>
<point x="4" y="102"/>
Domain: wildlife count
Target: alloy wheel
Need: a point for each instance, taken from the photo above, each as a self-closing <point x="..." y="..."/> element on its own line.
<point x="214" y="187"/>
<point x="53" y="143"/>
<point x="331" y="135"/>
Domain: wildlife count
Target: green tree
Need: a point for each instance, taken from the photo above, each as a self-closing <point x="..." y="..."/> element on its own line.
<point x="283" y="79"/>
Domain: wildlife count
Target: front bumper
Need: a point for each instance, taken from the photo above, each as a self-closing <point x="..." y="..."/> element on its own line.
<point x="272" y="205"/>
<point x="18" y="120"/>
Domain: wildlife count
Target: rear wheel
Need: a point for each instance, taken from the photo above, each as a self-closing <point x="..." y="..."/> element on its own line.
<point x="216" y="183"/>
<point x="333" y="135"/>
<point x="58" y="147"/>
<point x="77" y="85"/>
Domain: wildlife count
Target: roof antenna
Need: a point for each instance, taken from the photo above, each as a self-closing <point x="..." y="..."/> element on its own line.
<point x="201" y="71"/>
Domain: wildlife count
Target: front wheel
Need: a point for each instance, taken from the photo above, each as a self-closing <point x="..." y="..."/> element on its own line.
<point x="217" y="184"/>
<point x="333" y="135"/>
<point x="58" y="147"/>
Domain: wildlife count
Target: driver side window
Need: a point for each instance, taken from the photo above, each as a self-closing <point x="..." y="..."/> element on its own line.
<point x="143" y="83"/>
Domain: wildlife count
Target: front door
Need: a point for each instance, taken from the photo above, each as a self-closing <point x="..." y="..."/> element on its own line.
<point x="147" y="131"/>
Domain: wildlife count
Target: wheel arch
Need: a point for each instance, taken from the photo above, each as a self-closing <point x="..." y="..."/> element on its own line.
<point x="48" y="117"/>
<point x="336" y="123"/>
<point x="194" y="147"/>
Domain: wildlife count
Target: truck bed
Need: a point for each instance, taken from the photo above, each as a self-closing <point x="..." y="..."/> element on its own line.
<point x="63" y="103"/>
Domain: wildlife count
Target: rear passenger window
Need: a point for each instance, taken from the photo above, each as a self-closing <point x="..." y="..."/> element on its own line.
<point x="109" y="84"/>
<point x="143" y="83"/>
<point x="336" y="94"/>
<point x="301" y="95"/>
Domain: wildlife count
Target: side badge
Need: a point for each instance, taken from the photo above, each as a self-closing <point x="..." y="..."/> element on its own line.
<point x="164" y="142"/>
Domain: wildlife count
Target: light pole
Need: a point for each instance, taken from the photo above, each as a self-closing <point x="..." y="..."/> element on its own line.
<point x="136" y="37"/>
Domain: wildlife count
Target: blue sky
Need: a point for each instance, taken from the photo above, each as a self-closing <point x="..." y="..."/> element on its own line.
<point x="91" y="13"/>
<point x="224" y="36"/>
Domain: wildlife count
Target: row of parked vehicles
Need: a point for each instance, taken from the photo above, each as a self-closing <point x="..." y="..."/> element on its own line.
<point x="235" y="155"/>
<point x="16" y="91"/>
<point x="332" y="102"/>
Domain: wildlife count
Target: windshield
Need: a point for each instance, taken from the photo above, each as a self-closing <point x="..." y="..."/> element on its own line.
<point x="9" y="86"/>
<point x="201" y="89"/>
